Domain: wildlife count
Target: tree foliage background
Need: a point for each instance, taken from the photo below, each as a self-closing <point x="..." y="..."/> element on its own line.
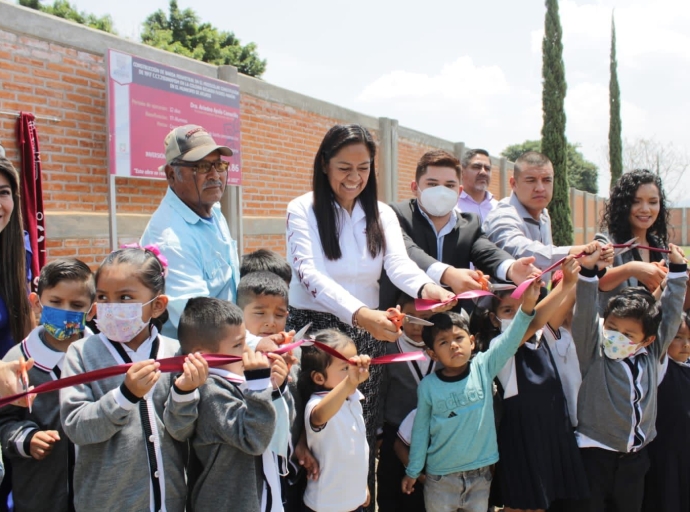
<point x="615" y="138"/>
<point x="182" y="32"/>
<point x="582" y="174"/>
<point x="63" y="9"/>
<point x="553" y="141"/>
<point x="668" y="161"/>
<point x="177" y="31"/>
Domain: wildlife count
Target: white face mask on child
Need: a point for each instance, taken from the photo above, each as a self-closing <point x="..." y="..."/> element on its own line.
<point x="505" y="322"/>
<point x="617" y="345"/>
<point x="121" y="321"/>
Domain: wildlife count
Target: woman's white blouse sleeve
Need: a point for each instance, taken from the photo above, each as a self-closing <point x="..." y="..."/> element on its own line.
<point x="305" y="255"/>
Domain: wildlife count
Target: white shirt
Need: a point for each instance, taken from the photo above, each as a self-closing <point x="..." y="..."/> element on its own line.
<point x="564" y="355"/>
<point x="436" y="270"/>
<point x="467" y="204"/>
<point x="342" y="450"/>
<point x="341" y="287"/>
<point x="405" y="428"/>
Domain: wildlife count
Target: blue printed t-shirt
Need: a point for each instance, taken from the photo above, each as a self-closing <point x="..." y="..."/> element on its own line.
<point x="454" y="427"/>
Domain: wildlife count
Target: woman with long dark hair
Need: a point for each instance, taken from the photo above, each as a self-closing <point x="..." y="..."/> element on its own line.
<point x="637" y="207"/>
<point x="339" y="239"/>
<point x="15" y="312"/>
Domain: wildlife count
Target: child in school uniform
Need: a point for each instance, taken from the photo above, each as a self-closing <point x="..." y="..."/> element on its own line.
<point x="666" y="484"/>
<point x="619" y="359"/>
<point x="454" y="437"/>
<point x="333" y="419"/>
<point x="398" y="398"/>
<point x="558" y="335"/>
<point x="42" y="457"/>
<point x="263" y="298"/>
<point x="539" y="459"/>
<point x="131" y="433"/>
<point x="237" y="418"/>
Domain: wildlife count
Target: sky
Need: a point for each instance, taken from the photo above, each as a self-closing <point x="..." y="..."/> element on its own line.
<point x="468" y="71"/>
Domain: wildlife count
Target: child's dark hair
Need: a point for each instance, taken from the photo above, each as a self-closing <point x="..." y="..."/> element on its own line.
<point x="480" y="321"/>
<point x="316" y="360"/>
<point x="404" y="299"/>
<point x="638" y="303"/>
<point x="203" y="321"/>
<point x="66" y="269"/>
<point x="149" y="270"/>
<point x="265" y="260"/>
<point x="443" y="322"/>
<point x="260" y="283"/>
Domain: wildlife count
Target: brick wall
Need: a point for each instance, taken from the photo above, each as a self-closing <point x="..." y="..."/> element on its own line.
<point x="279" y="141"/>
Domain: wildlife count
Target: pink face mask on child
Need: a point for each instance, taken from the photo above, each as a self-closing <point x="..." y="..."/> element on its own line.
<point x="121" y="321"/>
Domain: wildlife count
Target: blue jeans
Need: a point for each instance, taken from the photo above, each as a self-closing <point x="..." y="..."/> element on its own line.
<point x="466" y="491"/>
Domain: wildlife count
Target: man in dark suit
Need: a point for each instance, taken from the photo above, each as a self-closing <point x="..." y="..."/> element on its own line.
<point x="442" y="240"/>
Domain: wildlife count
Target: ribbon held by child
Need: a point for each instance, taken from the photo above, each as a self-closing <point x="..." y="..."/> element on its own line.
<point x="174" y="364"/>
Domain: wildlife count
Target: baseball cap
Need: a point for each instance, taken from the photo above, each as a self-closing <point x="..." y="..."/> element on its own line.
<point x="190" y="143"/>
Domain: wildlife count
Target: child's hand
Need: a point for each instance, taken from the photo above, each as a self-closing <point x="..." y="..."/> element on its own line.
<point x="268" y="344"/>
<point x="592" y="255"/>
<point x="279" y="370"/>
<point x="571" y="269"/>
<point x="42" y="443"/>
<point x="142" y="376"/>
<point x="606" y="256"/>
<point x="359" y="371"/>
<point x="676" y="256"/>
<point x="254" y="360"/>
<point x="531" y="296"/>
<point x="408" y="484"/>
<point x="306" y="459"/>
<point x="195" y="370"/>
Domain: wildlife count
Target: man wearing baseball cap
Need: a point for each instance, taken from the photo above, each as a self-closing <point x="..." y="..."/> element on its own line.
<point x="188" y="226"/>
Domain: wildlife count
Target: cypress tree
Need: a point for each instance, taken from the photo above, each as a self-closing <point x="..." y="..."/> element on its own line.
<point x="553" y="141"/>
<point x="615" y="139"/>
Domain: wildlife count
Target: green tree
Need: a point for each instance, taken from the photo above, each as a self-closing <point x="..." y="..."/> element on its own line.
<point x="181" y="32"/>
<point x="615" y="140"/>
<point x="582" y="174"/>
<point x="63" y="9"/>
<point x="553" y="141"/>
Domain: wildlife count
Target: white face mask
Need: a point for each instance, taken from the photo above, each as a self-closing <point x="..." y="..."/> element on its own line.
<point x="439" y="201"/>
<point x="121" y="321"/>
<point x="505" y="322"/>
<point x="618" y="346"/>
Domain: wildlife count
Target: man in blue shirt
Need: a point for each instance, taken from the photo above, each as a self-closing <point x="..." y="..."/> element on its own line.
<point x="188" y="226"/>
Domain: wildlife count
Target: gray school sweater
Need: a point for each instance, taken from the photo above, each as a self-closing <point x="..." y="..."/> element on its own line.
<point x="112" y="468"/>
<point x="234" y="430"/>
<point x="605" y="410"/>
<point x="36" y="484"/>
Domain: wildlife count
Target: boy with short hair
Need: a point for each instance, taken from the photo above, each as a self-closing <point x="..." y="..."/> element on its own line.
<point x="263" y="297"/>
<point x="398" y="398"/>
<point x="42" y="456"/>
<point x="454" y="435"/>
<point x="236" y="415"/>
<point x="264" y="260"/>
<point x="619" y="359"/>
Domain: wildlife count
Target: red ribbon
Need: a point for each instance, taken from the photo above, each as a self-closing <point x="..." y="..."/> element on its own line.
<point x="427" y="304"/>
<point x="174" y="364"/>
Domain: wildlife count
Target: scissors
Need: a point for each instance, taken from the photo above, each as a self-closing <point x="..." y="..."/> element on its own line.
<point x="398" y="317"/>
<point x="24" y="379"/>
<point x="623" y="248"/>
<point x="299" y="335"/>
<point x="488" y="286"/>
